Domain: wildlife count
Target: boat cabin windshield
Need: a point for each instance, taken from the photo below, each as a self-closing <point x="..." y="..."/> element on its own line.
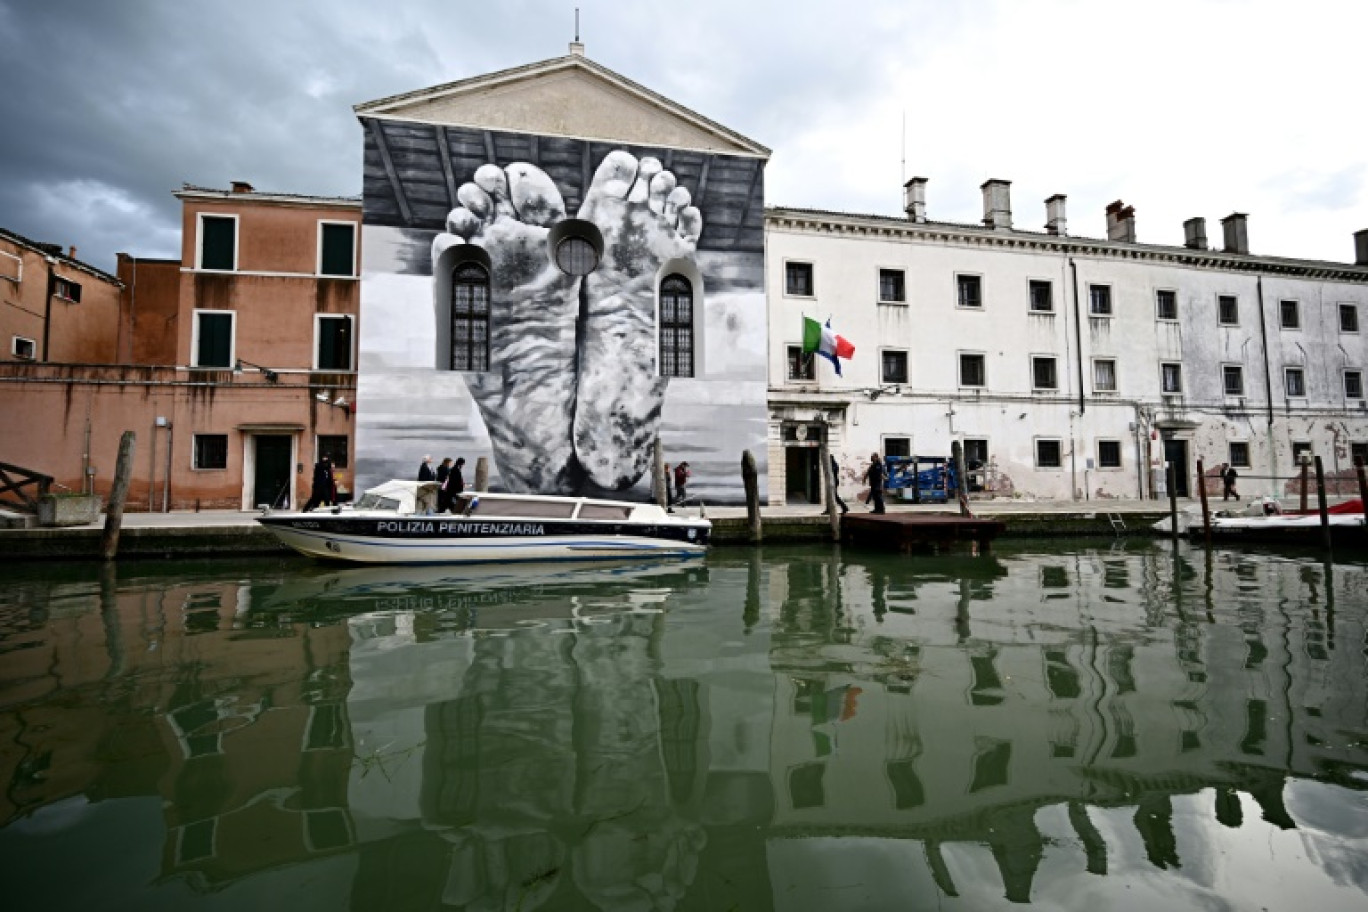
<point x="535" y="508"/>
<point x="376" y="502"/>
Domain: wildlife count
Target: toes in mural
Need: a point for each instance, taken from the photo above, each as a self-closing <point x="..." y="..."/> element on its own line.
<point x="646" y="221"/>
<point x="514" y="298"/>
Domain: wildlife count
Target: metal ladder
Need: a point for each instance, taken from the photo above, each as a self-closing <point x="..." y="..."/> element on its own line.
<point x="1117" y="523"/>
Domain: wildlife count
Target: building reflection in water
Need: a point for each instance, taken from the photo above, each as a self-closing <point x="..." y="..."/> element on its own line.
<point x="752" y="730"/>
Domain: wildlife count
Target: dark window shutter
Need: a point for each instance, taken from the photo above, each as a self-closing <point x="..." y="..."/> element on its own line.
<point x="215" y="340"/>
<point x="218" y="241"/>
<point x="339" y="250"/>
<point x="334" y="343"/>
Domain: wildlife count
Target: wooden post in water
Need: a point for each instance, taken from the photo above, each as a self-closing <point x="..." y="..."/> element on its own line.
<point x="1304" y="487"/>
<point x="751" y="480"/>
<point x="658" y="475"/>
<point x="1363" y="488"/>
<point x="1206" y="509"/>
<point x="482" y="474"/>
<point x="1320" y="503"/>
<point x="123" y="472"/>
<point x="829" y="490"/>
<point x="1172" y="478"/>
<point x="961" y="481"/>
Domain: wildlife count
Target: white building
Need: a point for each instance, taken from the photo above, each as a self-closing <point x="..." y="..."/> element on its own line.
<point x="1069" y="367"/>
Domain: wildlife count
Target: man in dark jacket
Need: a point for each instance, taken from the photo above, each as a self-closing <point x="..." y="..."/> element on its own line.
<point x="425" y="469"/>
<point x="875" y="478"/>
<point x="322" y="492"/>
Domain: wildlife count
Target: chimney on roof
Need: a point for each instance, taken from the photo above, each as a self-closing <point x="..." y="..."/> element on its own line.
<point x="1361" y="247"/>
<point x="577" y="48"/>
<point x="1055" y="222"/>
<point x="241" y="187"/>
<point x="1194" y="234"/>
<point x="914" y="199"/>
<point x="1236" y="232"/>
<point x="71" y="252"/>
<point x="1121" y="223"/>
<point x="997" y="203"/>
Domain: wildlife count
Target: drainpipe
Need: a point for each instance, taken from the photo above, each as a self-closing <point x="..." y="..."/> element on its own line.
<point x="166" y="482"/>
<point x="1268" y="391"/>
<point x="1078" y="330"/>
<point x="47" y="305"/>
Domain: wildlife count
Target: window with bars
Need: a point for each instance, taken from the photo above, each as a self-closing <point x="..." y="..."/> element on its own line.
<point x="1109" y="454"/>
<point x="1100" y="300"/>
<point x="211" y="451"/>
<point x="676" y="327"/>
<point x="1104" y="375"/>
<point x="1289" y="313"/>
<point x="798" y="279"/>
<point x="470" y="318"/>
<point x="1171" y="378"/>
<point x="900" y="447"/>
<point x="973" y="370"/>
<point x="1041" y="295"/>
<point x="894" y="367"/>
<point x="1348" y="316"/>
<point x="1239" y="453"/>
<point x="1166" y="305"/>
<point x="1044" y="375"/>
<point x="1353" y="384"/>
<point x="1233" y="377"/>
<point x="969" y="290"/>
<point x="801" y="365"/>
<point x="1049" y="454"/>
<point x="892" y="286"/>
<point x="1295" y="380"/>
<point x="1227" y="310"/>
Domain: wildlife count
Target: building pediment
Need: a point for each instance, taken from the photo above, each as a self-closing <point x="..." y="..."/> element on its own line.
<point x="568" y="96"/>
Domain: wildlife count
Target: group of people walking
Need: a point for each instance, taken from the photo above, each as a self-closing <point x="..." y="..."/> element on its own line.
<point x="450" y="478"/>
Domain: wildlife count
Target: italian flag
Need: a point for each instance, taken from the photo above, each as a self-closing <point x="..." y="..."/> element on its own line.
<point x="820" y="339"/>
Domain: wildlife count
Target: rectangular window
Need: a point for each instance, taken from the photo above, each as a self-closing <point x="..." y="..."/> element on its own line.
<point x="337" y="248"/>
<point x="894" y="367"/>
<point x="1301" y="449"/>
<point x="973" y="371"/>
<point x="1048" y="454"/>
<point x="1042" y="296"/>
<point x="975" y="453"/>
<point x="218" y="242"/>
<point x="23" y="349"/>
<point x="1353" y="384"/>
<point x="1348" y="318"/>
<point x="1239" y="454"/>
<point x="1227" y="310"/>
<point x="1171" y="377"/>
<point x="214" y="338"/>
<point x="1109" y="454"/>
<point x="1099" y="300"/>
<point x="1166" y="305"/>
<point x="1295" y="380"/>
<point x="798" y="279"/>
<point x="11" y="267"/>
<point x="969" y="290"/>
<point x="67" y="290"/>
<point x="1358" y="454"/>
<point x="1104" y="375"/>
<point x="211" y="451"/>
<point x="1043" y="374"/>
<point x="334" y="446"/>
<point x="1289" y="314"/>
<point x="1233" y="377"/>
<point x="892" y="286"/>
<point x="334" y="348"/>
<point x="900" y="447"/>
<point x="800" y="365"/>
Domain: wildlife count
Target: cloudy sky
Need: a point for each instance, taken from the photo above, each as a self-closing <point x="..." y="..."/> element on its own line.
<point x="1199" y="107"/>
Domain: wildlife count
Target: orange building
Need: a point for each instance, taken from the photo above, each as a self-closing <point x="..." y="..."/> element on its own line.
<point x="235" y="366"/>
<point x="53" y="307"/>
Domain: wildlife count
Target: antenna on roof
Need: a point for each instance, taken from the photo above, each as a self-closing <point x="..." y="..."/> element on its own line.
<point x="577" y="25"/>
<point x="575" y="47"/>
<point x="904" y="146"/>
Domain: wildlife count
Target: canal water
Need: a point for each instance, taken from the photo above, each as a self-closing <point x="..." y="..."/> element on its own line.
<point x="793" y="728"/>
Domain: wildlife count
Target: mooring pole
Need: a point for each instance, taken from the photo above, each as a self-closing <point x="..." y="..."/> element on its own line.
<point x="658" y="475"/>
<point x="751" y="480"/>
<point x="830" y="490"/>
<point x="1305" y="488"/>
<point x="1363" y="488"/>
<point x="1172" y="478"/>
<point x="1206" y="509"/>
<point x="482" y="474"/>
<point x="1320" y="503"/>
<point x="961" y="482"/>
<point x="123" y="472"/>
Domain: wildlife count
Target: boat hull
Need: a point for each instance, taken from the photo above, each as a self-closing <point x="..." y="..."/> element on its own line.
<point x="1285" y="529"/>
<point x="452" y="540"/>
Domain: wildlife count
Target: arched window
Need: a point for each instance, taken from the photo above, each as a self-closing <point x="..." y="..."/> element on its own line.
<point x="470" y="318"/>
<point x="676" y="327"/>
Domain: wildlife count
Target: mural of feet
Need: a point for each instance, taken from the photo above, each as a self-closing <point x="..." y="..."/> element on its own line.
<point x="573" y="389"/>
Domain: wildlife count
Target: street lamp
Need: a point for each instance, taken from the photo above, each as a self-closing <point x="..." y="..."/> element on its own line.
<point x="271" y="376"/>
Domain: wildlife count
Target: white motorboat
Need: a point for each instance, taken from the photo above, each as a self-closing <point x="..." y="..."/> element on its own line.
<point x="396" y="523"/>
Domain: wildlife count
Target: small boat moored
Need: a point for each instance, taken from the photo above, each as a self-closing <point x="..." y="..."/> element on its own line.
<point x="396" y="523"/>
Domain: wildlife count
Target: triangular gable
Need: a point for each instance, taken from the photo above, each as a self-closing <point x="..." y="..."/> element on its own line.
<point x="569" y="96"/>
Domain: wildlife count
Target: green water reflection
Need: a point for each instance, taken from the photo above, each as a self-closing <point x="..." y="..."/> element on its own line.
<point x="795" y="729"/>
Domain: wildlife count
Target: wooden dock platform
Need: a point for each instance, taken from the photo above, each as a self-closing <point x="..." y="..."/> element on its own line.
<point x="918" y="531"/>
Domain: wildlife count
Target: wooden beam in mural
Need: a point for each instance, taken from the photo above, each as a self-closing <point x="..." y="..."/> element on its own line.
<point x="750" y="201"/>
<point x="390" y="171"/>
<point x="444" y="153"/>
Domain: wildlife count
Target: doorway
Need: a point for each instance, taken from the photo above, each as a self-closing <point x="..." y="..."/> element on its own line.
<point x="272" y="478"/>
<point x="1176" y="452"/>
<point x="801" y="484"/>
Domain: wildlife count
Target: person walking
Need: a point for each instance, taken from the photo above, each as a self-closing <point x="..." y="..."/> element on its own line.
<point x="681" y="480"/>
<point x="425" y="472"/>
<point x="455" y="483"/>
<point x="322" y="491"/>
<point x="1228" y="479"/>
<point x="875" y="477"/>
<point x="443" y="498"/>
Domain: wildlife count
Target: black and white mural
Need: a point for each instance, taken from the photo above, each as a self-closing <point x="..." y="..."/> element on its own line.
<point x="556" y="304"/>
